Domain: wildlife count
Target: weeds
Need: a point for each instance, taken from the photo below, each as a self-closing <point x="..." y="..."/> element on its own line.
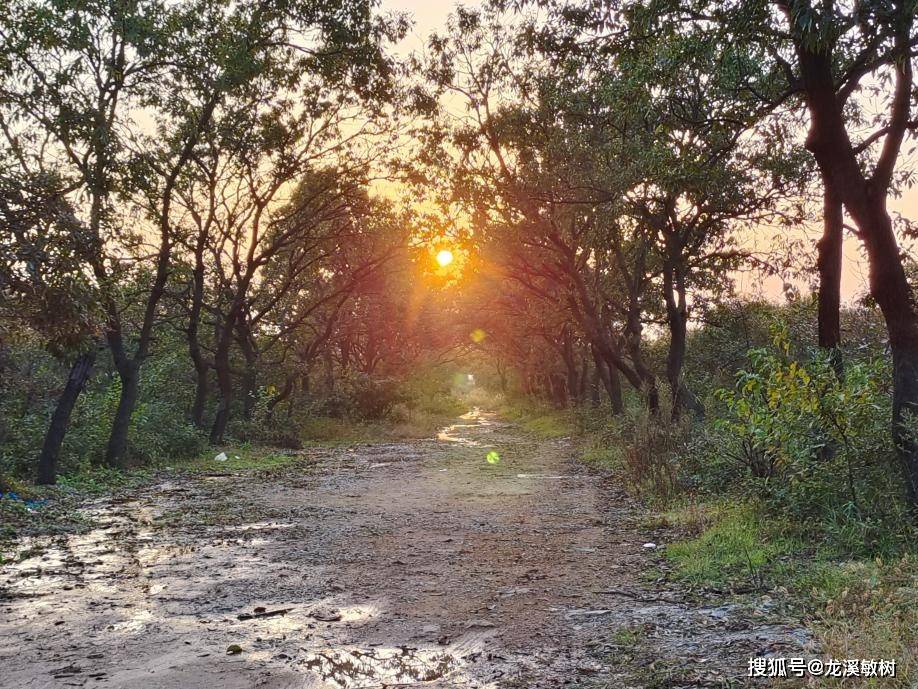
<point x="738" y="548"/>
<point x="540" y="420"/>
<point x="857" y="608"/>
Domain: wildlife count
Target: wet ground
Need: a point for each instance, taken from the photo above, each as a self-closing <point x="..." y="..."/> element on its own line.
<point x="482" y="558"/>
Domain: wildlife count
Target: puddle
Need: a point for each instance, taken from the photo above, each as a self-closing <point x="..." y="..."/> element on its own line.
<point x="453" y="433"/>
<point x="362" y="669"/>
<point x="450" y="435"/>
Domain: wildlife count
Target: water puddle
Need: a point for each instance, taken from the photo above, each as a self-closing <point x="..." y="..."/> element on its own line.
<point x="475" y="419"/>
<point x="546" y="477"/>
<point x="362" y="669"/>
<point x="449" y="435"/>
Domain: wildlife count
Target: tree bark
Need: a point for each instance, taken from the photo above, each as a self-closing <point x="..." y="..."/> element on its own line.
<point x="595" y="382"/>
<point x="609" y="377"/>
<point x="225" y="386"/>
<point x="829" y="266"/>
<point x="250" y="375"/>
<point x="570" y="366"/>
<point x="129" y="367"/>
<point x="201" y="366"/>
<point x="674" y="291"/>
<point x="80" y="372"/>
<point x="116" y="451"/>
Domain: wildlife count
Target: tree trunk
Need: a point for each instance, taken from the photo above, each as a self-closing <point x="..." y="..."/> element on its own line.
<point x="284" y="393"/>
<point x="610" y="381"/>
<point x="595" y="382"/>
<point x="556" y="388"/>
<point x="116" y="451"/>
<point x="633" y="337"/>
<point x="677" y="319"/>
<point x="570" y="366"/>
<point x="889" y="286"/>
<point x="250" y="375"/>
<point x="865" y="200"/>
<point x="201" y="393"/>
<point x="829" y="266"/>
<point x="201" y="367"/>
<point x="80" y="372"/>
<point x="329" y="376"/>
<point x="225" y="386"/>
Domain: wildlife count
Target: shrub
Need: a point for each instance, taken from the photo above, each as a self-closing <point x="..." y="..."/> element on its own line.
<point x="814" y="444"/>
<point x="646" y="448"/>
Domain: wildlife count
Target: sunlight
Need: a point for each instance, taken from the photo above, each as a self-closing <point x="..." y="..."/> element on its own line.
<point x="445" y="257"/>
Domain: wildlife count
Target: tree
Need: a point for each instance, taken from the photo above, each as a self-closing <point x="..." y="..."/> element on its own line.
<point x="44" y="286"/>
<point x="523" y="169"/>
<point x="79" y="91"/>
<point x="823" y="54"/>
<point x="624" y="169"/>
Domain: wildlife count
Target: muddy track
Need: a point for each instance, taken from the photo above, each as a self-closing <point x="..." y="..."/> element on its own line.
<point x="388" y="565"/>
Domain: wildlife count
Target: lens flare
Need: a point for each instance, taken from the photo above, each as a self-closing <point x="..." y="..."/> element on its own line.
<point x="445" y="257"/>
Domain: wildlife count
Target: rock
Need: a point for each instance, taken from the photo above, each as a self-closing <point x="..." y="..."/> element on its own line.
<point x="221" y="457"/>
<point x="481" y="624"/>
<point x="588" y="613"/>
<point x="650" y="546"/>
<point x="233" y="649"/>
<point x="326" y="614"/>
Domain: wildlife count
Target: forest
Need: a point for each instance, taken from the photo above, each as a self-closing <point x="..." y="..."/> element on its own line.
<point x="516" y="343"/>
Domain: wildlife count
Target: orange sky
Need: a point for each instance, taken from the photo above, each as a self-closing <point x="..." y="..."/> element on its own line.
<point x="432" y="14"/>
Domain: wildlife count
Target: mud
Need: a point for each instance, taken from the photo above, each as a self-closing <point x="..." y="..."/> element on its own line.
<point x="386" y="565"/>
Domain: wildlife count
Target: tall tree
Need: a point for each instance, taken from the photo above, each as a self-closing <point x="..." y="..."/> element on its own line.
<point x="91" y="78"/>
<point x="827" y="55"/>
<point x="45" y="285"/>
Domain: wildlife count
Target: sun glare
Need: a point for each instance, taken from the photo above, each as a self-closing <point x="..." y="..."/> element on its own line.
<point x="445" y="257"/>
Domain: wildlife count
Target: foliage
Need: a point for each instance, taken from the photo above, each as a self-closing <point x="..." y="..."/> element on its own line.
<point x="814" y="443"/>
<point x="538" y="418"/>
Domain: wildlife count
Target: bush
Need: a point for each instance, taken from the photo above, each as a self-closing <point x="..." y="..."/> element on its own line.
<point x="646" y="448"/>
<point x="159" y="427"/>
<point x="813" y="444"/>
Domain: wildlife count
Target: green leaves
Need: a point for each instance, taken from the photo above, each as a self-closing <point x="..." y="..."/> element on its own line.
<point x="824" y="438"/>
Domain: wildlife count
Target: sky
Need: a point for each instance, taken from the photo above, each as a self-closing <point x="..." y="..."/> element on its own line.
<point x="428" y="16"/>
<point x="431" y="15"/>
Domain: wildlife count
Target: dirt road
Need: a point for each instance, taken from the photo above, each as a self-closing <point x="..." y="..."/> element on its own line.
<point x="426" y="563"/>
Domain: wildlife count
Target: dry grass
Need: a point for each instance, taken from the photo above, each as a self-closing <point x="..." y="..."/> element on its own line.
<point x="869" y="609"/>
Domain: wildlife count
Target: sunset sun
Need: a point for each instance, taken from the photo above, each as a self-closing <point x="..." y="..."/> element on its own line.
<point x="445" y="257"/>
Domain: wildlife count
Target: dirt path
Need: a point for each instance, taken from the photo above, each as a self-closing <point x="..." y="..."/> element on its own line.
<point x="415" y="564"/>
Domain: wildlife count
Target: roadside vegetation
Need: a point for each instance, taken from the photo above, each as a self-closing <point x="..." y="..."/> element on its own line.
<point x="783" y="490"/>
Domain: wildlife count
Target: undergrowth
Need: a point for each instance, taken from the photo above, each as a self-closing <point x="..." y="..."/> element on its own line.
<point x="858" y="607"/>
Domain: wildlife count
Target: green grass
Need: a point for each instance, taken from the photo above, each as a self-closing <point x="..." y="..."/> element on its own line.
<point x="601" y="454"/>
<point x="739" y="545"/>
<point x="857" y="608"/>
<point x="540" y="420"/>
<point x="239" y="459"/>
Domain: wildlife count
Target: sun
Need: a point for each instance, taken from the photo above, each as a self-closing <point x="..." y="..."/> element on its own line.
<point x="445" y="257"/>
